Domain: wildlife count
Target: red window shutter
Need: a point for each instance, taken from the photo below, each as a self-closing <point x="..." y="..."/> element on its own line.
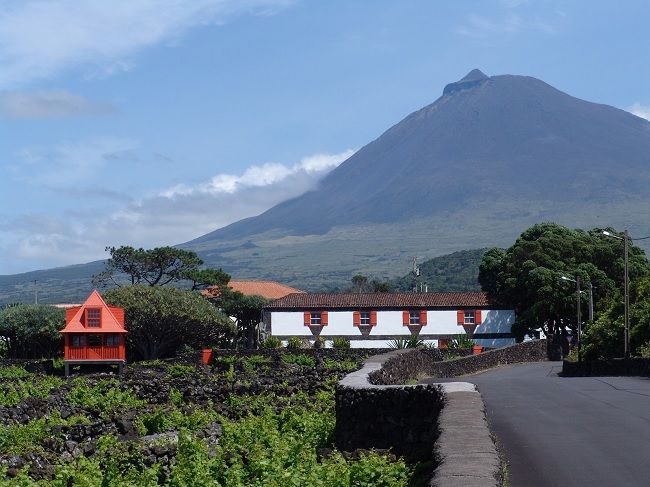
<point x="373" y="318"/>
<point x="323" y="318"/>
<point x="460" y="317"/>
<point x="477" y="317"/>
<point x="356" y="318"/>
<point x="405" y="318"/>
<point x="423" y="317"/>
<point x="307" y="318"/>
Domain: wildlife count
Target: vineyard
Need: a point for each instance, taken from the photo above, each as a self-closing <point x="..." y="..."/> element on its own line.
<point x="262" y="419"/>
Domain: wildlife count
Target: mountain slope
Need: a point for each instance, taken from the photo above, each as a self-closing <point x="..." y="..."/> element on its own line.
<point x="502" y="136"/>
<point x="487" y="159"/>
<point x="490" y="157"/>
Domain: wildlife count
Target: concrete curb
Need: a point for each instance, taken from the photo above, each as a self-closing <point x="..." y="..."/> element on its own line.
<point x="465" y="451"/>
<point x="360" y="379"/>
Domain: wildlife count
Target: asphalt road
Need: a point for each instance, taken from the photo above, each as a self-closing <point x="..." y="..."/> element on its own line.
<point x="555" y="431"/>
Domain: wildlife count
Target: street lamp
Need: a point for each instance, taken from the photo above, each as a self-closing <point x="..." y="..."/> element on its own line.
<point x="626" y="291"/>
<point x="579" y="311"/>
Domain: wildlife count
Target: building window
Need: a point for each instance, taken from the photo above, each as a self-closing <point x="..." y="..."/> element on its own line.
<point x="94" y="340"/>
<point x="315" y="319"/>
<point x="77" y="341"/>
<point x="112" y="340"/>
<point x="468" y="318"/>
<point x="414" y="317"/>
<point x="364" y="318"/>
<point x="93" y="317"/>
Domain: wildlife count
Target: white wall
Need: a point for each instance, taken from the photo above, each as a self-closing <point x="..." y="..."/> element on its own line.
<point x="439" y="322"/>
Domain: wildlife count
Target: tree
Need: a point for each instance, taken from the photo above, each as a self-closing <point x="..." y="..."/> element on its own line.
<point x="203" y="278"/>
<point x="155" y="267"/>
<point x="247" y="312"/>
<point x="359" y="282"/>
<point x="32" y="330"/>
<point x="161" y="319"/>
<point x="527" y="275"/>
<point x="380" y="286"/>
<point x="604" y="338"/>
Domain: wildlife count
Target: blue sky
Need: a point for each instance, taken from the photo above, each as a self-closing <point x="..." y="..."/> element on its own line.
<point x="152" y="122"/>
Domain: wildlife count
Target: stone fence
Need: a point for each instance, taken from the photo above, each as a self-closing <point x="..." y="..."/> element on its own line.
<point x="639" y="367"/>
<point x="423" y="362"/>
<point x="444" y="423"/>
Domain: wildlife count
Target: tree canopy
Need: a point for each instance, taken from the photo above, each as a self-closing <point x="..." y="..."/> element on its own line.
<point x="527" y="276"/>
<point x="32" y="330"/>
<point x="247" y="312"/>
<point x="160" y="320"/>
<point x="157" y="267"/>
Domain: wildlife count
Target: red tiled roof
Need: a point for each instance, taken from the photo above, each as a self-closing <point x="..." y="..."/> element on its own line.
<point x="266" y="289"/>
<point x="382" y="300"/>
<point x="109" y="322"/>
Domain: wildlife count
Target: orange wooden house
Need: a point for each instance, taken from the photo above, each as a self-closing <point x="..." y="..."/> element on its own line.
<point x="94" y="334"/>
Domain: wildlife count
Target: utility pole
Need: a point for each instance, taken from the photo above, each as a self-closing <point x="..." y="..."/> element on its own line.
<point x="35" y="292"/>
<point x="579" y="327"/>
<point x="626" y="286"/>
<point x="591" y="302"/>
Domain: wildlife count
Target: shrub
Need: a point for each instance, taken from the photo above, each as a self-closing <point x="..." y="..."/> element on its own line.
<point x="294" y="342"/>
<point x="341" y="343"/>
<point x="304" y="360"/>
<point x="272" y="342"/>
<point x="32" y="330"/>
<point x="180" y="370"/>
<point x="160" y="320"/>
<point x="460" y="342"/>
<point x="319" y="342"/>
<point x="13" y="392"/>
<point x="413" y="341"/>
<point x="342" y="365"/>
<point x="105" y="396"/>
<point x="643" y="351"/>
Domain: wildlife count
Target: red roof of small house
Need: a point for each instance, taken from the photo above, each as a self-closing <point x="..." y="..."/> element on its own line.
<point x="381" y="300"/>
<point x="112" y="319"/>
<point x="266" y="289"/>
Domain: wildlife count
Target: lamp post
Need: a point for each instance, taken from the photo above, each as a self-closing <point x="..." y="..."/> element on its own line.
<point x="578" y="311"/>
<point x="626" y="290"/>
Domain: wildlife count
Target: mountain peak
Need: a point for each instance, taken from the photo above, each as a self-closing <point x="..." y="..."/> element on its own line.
<point x="474" y="75"/>
<point x="474" y="78"/>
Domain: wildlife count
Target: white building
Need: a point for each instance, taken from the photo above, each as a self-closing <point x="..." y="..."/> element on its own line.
<point x="372" y="320"/>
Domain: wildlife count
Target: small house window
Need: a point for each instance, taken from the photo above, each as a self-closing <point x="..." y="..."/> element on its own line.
<point x="315" y="319"/>
<point x="414" y="317"/>
<point x="93" y="317"/>
<point x="469" y="317"/>
<point x="364" y="318"/>
<point x="77" y="341"/>
<point x="112" y="340"/>
<point x="94" y="340"/>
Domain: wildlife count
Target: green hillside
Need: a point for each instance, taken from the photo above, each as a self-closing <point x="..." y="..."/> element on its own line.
<point x="452" y="272"/>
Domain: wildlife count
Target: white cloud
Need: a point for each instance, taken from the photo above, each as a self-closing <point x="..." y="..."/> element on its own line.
<point x="40" y="39"/>
<point x="171" y="217"/>
<point x="639" y="110"/>
<point x="50" y="104"/>
<point x="267" y="174"/>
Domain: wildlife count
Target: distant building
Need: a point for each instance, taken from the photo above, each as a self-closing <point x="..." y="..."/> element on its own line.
<point x="371" y="320"/>
<point x="94" y="333"/>
<point x="266" y="289"/>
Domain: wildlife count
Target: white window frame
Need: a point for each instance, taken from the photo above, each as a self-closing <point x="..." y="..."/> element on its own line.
<point x="315" y="319"/>
<point x="414" y="317"/>
<point x="364" y="317"/>
<point x="469" y="317"/>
